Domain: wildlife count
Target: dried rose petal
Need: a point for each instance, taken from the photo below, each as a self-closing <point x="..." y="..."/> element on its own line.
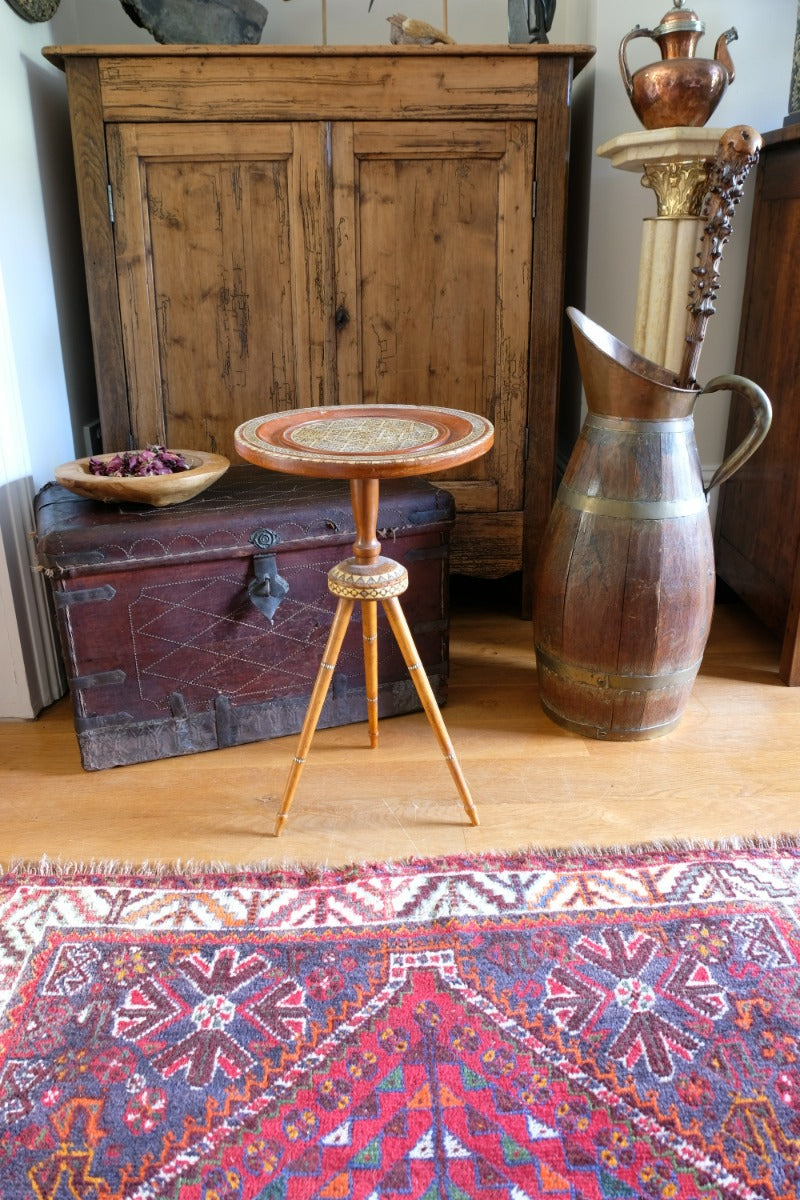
<point x="155" y="460"/>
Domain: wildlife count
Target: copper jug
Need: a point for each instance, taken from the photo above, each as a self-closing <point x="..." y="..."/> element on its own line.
<point x="625" y="577"/>
<point x="681" y="89"/>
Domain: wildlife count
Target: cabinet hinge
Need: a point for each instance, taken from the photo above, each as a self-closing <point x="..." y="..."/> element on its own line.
<point x="110" y="204"/>
<point x="533" y="201"/>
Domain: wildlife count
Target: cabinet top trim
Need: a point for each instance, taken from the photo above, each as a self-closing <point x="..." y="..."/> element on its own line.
<point x="580" y="54"/>
<point x="259" y="83"/>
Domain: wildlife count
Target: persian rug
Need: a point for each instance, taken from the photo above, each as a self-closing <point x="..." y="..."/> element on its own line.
<point x="591" y="1026"/>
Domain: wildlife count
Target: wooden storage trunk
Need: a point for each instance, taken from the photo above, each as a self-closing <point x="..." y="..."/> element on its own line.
<point x="202" y="625"/>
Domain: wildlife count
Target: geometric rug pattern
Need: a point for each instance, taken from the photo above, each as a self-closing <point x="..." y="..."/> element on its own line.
<point x="585" y="1026"/>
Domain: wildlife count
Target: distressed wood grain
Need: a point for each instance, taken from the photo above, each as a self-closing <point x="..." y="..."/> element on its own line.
<point x="758" y="534"/>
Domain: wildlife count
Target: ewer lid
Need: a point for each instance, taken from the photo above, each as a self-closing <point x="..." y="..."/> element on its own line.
<point x="679" y="20"/>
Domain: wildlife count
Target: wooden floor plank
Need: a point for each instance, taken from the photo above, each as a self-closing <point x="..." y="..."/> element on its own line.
<point x="731" y="768"/>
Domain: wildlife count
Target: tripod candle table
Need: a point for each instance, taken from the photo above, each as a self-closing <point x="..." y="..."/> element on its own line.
<point x="366" y="443"/>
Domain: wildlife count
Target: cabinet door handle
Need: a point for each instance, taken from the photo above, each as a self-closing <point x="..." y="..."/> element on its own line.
<point x="341" y="317"/>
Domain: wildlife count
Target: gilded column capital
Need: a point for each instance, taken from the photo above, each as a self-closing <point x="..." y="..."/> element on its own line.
<point x="674" y="163"/>
<point x="679" y="186"/>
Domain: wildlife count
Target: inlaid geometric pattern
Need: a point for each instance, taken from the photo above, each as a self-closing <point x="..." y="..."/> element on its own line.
<point x="359" y="434"/>
<point x="390" y="580"/>
<point x="384" y="440"/>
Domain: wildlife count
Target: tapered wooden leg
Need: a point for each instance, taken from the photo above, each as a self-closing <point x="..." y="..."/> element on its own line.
<point x="321" y="684"/>
<point x="369" y="629"/>
<point x="405" y="641"/>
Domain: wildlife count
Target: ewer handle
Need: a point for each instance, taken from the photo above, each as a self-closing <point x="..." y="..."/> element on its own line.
<point x="762" y="418"/>
<point x="627" y="78"/>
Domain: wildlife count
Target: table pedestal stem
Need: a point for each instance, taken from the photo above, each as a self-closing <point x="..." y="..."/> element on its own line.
<point x="369" y="577"/>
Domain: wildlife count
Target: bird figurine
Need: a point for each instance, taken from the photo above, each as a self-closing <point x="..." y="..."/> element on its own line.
<point x="405" y="30"/>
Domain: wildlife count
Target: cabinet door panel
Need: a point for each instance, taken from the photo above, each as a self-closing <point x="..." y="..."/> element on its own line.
<point x="222" y="242"/>
<point x="433" y="250"/>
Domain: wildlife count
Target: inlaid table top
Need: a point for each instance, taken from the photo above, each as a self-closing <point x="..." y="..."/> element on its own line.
<point x="364" y="441"/>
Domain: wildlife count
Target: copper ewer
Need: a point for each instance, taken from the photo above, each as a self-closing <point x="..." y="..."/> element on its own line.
<point x="681" y="89"/>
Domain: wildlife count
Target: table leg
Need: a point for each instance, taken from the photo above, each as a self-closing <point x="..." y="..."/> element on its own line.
<point x="368" y="577"/>
<point x="402" y="633"/>
<point x="341" y="618"/>
<point x="369" y="629"/>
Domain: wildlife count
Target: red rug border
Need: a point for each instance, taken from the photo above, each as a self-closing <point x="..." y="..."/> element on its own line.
<point x="656" y="880"/>
<point x="269" y="873"/>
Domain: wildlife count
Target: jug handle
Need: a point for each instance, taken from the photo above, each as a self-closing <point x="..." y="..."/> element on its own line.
<point x="762" y="418"/>
<point x="627" y="78"/>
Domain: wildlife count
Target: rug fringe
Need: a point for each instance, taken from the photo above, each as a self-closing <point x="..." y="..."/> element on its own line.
<point x="51" y="868"/>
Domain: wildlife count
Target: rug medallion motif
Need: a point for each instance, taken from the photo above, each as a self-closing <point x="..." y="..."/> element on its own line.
<point x="624" y="1025"/>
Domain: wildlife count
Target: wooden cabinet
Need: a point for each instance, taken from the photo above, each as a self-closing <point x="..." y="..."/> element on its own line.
<point x="758" y="525"/>
<point x="266" y="228"/>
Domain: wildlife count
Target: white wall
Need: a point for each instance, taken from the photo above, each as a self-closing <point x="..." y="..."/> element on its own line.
<point x="36" y="247"/>
<point x="25" y="252"/>
<point x="46" y="378"/>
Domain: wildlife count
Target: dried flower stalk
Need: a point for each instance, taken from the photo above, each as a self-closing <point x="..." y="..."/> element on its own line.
<point x="737" y="152"/>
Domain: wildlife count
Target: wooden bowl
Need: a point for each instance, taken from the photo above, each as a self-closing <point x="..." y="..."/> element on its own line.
<point x="156" y="490"/>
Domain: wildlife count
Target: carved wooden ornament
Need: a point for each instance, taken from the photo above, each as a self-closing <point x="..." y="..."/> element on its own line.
<point x="738" y="151"/>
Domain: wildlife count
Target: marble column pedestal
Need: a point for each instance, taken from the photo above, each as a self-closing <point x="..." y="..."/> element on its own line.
<point x="674" y="163"/>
